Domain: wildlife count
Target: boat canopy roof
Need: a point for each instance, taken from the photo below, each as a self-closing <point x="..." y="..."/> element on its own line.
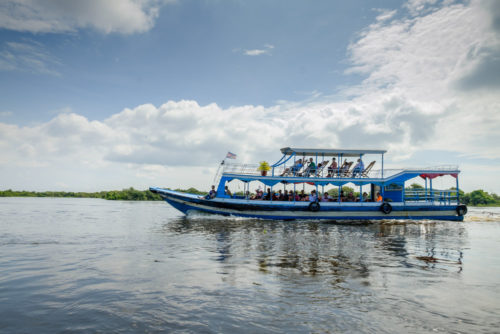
<point x="328" y="152"/>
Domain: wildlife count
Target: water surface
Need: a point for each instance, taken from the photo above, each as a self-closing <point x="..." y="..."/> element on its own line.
<point x="90" y="265"/>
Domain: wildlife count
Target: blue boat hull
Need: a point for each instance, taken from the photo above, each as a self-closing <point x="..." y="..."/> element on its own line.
<point x="187" y="203"/>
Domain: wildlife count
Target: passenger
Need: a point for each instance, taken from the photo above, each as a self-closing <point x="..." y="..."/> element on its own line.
<point x="280" y="195"/>
<point x="292" y="169"/>
<point x="267" y="197"/>
<point x="365" y="197"/>
<point x="260" y="194"/>
<point x="342" y="196"/>
<point x="350" y="197"/>
<point x="228" y="192"/>
<point x="297" y="197"/>
<point x="311" y="168"/>
<point x="297" y="167"/>
<point x="285" y="196"/>
<point x="332" y="169"/>
<point x="275" y="196"/>
<point x="344" y="167"/>
<point x="325" y="197"/>
<point x="358" y="168"/>
<point x="211" y="194"/>
<point x="313" y="197"/>
<point x="302" y="195"/>
<point x="379" y="197"/>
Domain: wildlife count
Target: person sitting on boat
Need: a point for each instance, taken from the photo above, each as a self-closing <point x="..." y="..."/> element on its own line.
<point x="313" y="197"/>
<point x="365" y="197"/>
<point x="285" y="196"/>
<point x="358" y="168"/>
<point x="311" y="168"/>
<point x="268" y="195"/>
<point x="325" y="197"/>
<point x="294" y="169"/>
<point x="257" y="194"/>
<point x="350" y="197"/>
<point x="342" y="196"/>
<point x="302" y="195"/>
<point x="332" y="168"/>
<point x="262" y="196"/>
<point x="280" y="195"/>
<point x="344" y="168"/>
<point x="228" y="192"/>
<point x="297" y="166"/>
<point x="211" y="194"/>
<point x="379" y="197"/>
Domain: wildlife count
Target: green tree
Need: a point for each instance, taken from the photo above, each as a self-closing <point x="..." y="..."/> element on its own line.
<point x="478" y="197"/>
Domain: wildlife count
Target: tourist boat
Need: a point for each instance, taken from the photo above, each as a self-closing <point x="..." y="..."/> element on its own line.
<point x="396" y="201"/>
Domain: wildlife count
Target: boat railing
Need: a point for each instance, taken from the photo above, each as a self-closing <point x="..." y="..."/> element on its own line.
<point x="431" y="195"/>
<point x="247" y="169"/>
<point x="377" y="173"/>
<point x="253" y="169"/>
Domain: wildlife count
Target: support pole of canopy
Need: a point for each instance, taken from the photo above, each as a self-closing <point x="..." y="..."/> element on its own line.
<point x="340" y="189"/>
<point x="432" y="194"/>
<point x="404" y="192"/>
<point x="382" y="165"/>
<point x="425" y="195"/>
<point x="316" y="165"/>
<point x="294" y="191"/>
<point x="360" y="193"/>
<point x="458" y="192"/>
<point x="338" y="164"/>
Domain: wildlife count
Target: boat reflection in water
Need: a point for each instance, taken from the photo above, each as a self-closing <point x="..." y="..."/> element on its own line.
<point x="338" y="252"/>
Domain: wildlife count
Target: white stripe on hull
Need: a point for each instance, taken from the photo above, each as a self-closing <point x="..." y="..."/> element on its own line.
<point x="318" y="214"/>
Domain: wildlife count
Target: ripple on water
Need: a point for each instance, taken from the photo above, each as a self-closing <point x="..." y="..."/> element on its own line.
<point x="98" y="266"/>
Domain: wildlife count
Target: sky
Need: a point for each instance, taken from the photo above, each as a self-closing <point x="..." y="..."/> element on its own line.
<point x="100" y="95"/>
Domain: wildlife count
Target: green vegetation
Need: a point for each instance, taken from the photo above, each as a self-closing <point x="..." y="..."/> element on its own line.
<point x="480" y="198"/>
<point x="129" y="194"/>
<point x="474" y="198"/>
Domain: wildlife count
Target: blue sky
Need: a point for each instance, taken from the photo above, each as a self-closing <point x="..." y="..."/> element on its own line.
<point x="99" y="95"/>
<point x="195" y="50"/>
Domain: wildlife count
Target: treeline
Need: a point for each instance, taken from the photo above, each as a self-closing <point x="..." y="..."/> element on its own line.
<point x="480" y="198"/>
<point x="129" y="194"/>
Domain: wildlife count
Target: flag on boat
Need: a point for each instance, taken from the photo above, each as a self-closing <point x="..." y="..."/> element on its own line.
<point x="230" y="155"/>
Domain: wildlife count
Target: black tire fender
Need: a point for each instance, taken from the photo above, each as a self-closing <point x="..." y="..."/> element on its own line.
<point x="314" y="206"/>
<point x="386" y="208"/>
<point x="461" y="210"/>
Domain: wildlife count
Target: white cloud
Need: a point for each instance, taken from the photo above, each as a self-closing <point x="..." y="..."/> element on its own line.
<point x="121" y="16"/>
<point x="258" y="52"/>
<point x="27" y="56"/>
<point x="420" y="61"/>
<point x="413" y="99"/>
<point x="386" y="15"/>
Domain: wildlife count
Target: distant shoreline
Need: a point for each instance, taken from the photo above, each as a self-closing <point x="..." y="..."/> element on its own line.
<point x="478" y="198"/>
<point x="129" y="194"/>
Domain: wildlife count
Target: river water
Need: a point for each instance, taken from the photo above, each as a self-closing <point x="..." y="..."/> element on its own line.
<point x="90" y="265"/>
